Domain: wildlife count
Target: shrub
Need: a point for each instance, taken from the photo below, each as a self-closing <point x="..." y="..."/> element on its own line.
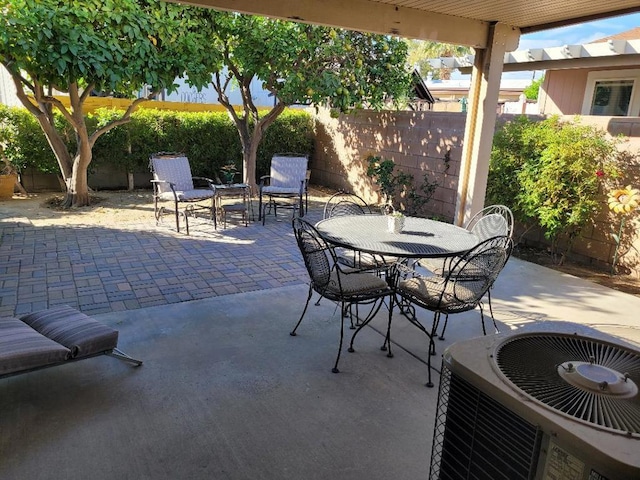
<point x="23" y="142"/>
<point x="398" y="186"/>
<point x="550" y="173"/>
<point x="209" y="139"/>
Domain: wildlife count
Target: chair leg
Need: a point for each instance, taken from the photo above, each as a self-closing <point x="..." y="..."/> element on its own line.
<point x="120" y="355"/>
<point x="484" y="330"/>
<point x="335" y="367"/>
<point x="432" y="346"/>
<point x="444" y="327"/>
<point x="213" y="213"/>
<point x="375" y="308"/>
<point x="293" y="332"/>
<point x="156" y="211"/>
<point x="387" y="340"/>
<point x="260" y="207"/>
<point x="175" y="209"/>
<point x="493" y="319"/>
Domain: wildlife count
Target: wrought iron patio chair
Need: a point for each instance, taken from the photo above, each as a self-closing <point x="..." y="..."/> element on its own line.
<point x="330" y="280"/>
<point x="285" y="186"/>
<point x="345" y="203"/>
<point x="173" y="182"/>
<point x="461" y="288"/>
<point x="491" y="221"/>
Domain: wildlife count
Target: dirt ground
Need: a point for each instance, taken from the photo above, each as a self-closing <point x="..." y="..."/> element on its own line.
<point x="128" y="208"/>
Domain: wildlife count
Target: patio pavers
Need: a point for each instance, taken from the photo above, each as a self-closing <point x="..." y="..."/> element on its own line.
<point x="100" y="270"/>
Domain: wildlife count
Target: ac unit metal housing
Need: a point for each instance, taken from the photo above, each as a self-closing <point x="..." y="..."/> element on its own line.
<point x="538" y="405"/>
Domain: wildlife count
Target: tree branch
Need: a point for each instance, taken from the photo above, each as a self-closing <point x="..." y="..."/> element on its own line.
<point x="23" y="97"/>
<point x="87" y="91"/>
<point x="223" y="99"/>
<point x="122" y="120"/>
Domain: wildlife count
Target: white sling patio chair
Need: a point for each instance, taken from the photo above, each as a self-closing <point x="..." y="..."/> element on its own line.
<point x="173" y="182"/>
<point x="285" y="186"/>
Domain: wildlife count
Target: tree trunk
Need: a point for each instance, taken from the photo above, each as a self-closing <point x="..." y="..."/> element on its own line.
<point x="249" y="158"/>
<point x="78" y="186"/>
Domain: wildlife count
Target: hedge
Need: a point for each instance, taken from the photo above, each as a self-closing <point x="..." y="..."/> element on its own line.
<point x="209" y="139"/>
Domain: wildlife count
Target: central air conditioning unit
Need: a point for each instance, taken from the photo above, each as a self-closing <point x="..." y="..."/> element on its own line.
<point x="538" y="405"/>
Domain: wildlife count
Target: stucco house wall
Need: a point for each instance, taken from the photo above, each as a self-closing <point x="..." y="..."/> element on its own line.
<point x="563" y="91"/>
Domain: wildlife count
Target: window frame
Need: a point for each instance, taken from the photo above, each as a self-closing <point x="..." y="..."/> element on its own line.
<point x="609" y="75"/>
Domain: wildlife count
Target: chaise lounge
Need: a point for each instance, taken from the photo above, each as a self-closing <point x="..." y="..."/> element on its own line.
<point x="53" y="337"/>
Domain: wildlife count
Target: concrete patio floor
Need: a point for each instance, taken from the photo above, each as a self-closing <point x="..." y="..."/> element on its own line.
<point x="225" y="392"/>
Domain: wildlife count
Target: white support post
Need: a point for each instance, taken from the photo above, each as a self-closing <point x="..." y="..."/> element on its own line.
<point x="481" y="119"/>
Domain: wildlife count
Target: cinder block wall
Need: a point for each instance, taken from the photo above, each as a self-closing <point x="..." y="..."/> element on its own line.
<point x="419" y="142"/>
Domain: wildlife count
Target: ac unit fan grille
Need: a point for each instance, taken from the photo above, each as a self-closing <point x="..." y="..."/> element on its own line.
<point x="532" y="363"/>
<point x="477" y="437"/>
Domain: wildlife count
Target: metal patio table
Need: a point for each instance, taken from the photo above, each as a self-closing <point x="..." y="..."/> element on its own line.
<point x="420" y="237"/>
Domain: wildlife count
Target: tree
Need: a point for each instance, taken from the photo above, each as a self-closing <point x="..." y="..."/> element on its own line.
<point x="532" y="90"/>
<point x="298" y="64"/>
<point x="80" y="47"/>
<point x="420" y="52"/>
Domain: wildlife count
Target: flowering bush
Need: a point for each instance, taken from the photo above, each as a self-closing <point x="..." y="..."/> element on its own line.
<point x="550" y="174"/>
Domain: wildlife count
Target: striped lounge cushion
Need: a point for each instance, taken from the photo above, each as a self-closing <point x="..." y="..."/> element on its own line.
<point x="78" y="332"/>
<point x="22" y="348"/>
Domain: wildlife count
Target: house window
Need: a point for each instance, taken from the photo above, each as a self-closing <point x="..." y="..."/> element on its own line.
<point x="612" y="93"/>
<point x="612" y="97"/>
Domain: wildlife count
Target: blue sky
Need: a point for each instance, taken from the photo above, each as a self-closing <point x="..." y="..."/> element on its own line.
<point x="572" y="35"/>
<point x="579" y="34"/>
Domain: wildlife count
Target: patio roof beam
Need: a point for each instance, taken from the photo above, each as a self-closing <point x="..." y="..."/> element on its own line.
<point x="367" y="16"/>
<point x="614" y="53"/>
<point x="579" y="19"/>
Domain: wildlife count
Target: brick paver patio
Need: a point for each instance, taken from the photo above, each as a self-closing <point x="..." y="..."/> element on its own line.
<point x="106" y="269"/>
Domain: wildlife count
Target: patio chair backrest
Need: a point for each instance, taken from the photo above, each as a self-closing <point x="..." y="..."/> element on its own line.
<point x="174" y="169"/>
<point x="315" y="252"/>
<point x="288" y="171"/>
<point x="343" y="203"/>
<point x="492" y="221"/>
<point x="475" y="272"/>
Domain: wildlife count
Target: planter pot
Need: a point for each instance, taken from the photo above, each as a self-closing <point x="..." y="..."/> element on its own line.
<point x="395" y="224"/>
<point x="7" y="186"/>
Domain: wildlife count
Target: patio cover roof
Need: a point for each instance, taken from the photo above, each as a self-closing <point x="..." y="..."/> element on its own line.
<point x="492" y="27"/>
<point x="462" y="22"/>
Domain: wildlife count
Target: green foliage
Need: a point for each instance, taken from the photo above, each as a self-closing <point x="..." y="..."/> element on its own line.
<point x="421" y="51"/>
<point x="298" y="64"/>
<point x="209" y="139"/>
<point x="398" y="187"/>
<point x="418" y="197"/>
<point x="80" y="47"/>
<point x="301" y="63"/>
<point x="531" y="91"/>
<point x="549" y="173"/>
<point x="110" y="45"/>
<point x="23" y="143"/>
<point x="292" y="132"/>
<point x="382" y="172"/>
